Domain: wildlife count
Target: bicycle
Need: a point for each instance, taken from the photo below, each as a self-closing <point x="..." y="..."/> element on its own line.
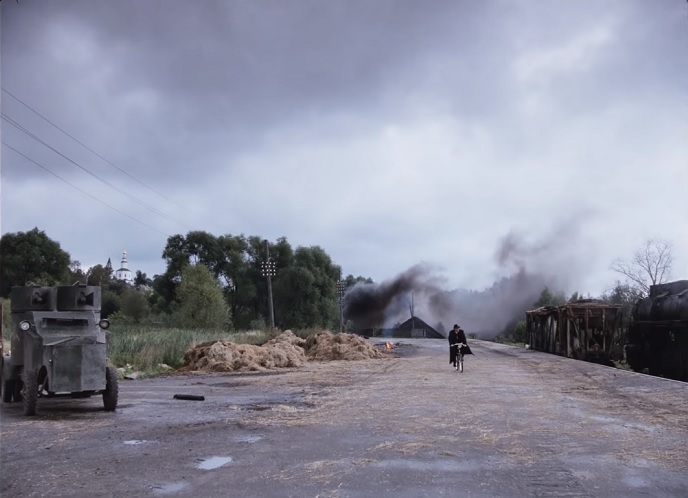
<point x="458" y="361"/>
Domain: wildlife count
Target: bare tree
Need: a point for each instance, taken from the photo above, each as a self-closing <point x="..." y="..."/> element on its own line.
<point x="650" y="265"/>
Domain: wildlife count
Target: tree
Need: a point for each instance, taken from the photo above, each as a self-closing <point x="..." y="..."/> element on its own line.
<point x="235" y="263"/>
<point x="110" y="303"/>
<point x="297" y="299"/>
<point x="202" y="304"/>
<point x="520" y="331"/>
<point x="650" y="265"/>
<point x="350" y="281"/>
<point x="76" y="274"/>
<point x="141" y="280"/>
<point x="625" y="295"/>
<point x="134" y="305"/>
<point x="306" y="293"/>
<point x="31" y="257"/>
<point x="99" y="275"/>
<point x="547" y="298"/>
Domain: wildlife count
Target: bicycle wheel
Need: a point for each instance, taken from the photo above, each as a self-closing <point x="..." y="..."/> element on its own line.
<point x="460" y="363"/>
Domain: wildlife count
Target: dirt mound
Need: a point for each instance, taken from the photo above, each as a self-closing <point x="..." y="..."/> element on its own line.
<point x="285" y="350"/>
<point x="325" y="346"/>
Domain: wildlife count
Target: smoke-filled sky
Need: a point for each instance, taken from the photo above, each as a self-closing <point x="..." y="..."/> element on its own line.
<point x="390" y="133"/>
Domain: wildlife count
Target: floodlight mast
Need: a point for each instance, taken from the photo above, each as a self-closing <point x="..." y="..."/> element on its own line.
<point x="268" y="270"/>
<point x="341" y="288"/>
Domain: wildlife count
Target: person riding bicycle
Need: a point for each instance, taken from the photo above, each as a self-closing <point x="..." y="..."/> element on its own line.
<point x="456" y="336"/>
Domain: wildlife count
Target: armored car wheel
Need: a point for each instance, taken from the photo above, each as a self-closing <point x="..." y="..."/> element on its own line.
<point x="111" y="392"/>
<point x="7" y="390"/>
<point x="30" y="392"/>
<point x="18" y="385"/>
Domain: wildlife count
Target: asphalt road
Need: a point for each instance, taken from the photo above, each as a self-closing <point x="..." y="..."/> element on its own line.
<point x="515" y="423"/>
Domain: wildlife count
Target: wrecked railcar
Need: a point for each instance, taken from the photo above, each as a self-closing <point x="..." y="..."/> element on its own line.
<point x="658" y="333"/>
<point x="587" y="329"/>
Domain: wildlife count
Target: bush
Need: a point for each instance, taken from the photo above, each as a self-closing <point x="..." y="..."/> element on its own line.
<point x="520" y="332"/>
<point x="258" y="324"/>
<point x="202" y="304"/>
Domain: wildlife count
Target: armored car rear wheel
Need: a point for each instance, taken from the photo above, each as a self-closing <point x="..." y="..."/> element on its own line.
<point x="30" y="392"/>
<point x="111" y="392"/>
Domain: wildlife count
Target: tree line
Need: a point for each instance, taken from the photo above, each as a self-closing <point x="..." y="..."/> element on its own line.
<point x="209" y="281"/>
<point x="217" y="281"/>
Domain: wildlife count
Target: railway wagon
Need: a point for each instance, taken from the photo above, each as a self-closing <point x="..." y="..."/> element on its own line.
<point x="586" y="329"/>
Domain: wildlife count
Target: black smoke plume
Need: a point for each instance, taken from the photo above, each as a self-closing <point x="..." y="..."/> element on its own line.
<point x="526" y="268"/>
<point x="378" y="305"/>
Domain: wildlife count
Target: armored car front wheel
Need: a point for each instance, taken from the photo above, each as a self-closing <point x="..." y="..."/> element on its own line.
<point x="30" y="392"/>
<point x="111" y="392"/>
<point x="18" y="385"/>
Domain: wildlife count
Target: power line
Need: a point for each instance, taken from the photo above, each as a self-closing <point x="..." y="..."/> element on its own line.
<point x="111" y="185"/>
<point x="82" y="190"/>
<point x="87" y="147"/>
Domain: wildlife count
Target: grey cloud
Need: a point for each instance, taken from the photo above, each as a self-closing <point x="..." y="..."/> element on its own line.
<point x="180" y="93"/>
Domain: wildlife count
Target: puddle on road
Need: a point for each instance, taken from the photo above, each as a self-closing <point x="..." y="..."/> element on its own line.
<point x="213" y="462"/>
<point x="135" y="441"/>
<point x="635" y="481"/>
<point x="247" y="439"/>
<point x="431" y="465"/>
<point x="168" y="489"/>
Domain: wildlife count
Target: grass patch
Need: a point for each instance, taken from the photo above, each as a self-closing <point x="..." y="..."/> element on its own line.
<point x="500" y="339"/>
<point x="622" y="365"/>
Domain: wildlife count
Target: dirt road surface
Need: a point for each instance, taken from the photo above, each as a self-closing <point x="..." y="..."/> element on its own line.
<point x="515" y="423"/>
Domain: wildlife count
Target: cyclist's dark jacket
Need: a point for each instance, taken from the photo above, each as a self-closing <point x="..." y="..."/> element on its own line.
<point x="455" y="338"/>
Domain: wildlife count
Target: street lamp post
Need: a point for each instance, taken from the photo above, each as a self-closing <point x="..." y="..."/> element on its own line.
<point x="341" y="288"/>
<point x="268" y="270"/>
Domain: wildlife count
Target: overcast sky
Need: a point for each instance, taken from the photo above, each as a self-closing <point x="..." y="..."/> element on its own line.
<point x="389" y="133"/>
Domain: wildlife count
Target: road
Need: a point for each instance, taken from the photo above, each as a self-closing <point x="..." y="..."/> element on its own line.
<point x="515" y="423"/>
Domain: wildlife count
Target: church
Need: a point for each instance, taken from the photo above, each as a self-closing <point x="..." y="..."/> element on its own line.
<point x="123" y="273"/>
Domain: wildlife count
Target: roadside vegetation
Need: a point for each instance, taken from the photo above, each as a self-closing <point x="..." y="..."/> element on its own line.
<point x="153" y="349"/>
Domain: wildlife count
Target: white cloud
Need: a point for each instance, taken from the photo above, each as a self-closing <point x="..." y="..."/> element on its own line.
<point x="570" y="58"/>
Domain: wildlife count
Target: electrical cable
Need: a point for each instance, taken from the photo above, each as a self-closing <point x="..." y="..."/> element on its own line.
<point x="83" y="191"/>
<point x="86" y="170"/>
<point x="88" y="148"/>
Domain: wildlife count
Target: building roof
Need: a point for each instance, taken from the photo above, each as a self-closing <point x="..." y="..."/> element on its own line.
<point x="415" y="323"/>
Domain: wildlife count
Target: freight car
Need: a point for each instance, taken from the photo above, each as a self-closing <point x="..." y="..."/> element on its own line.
<point x="658" y="332"/>
<point x="587" y="329"/>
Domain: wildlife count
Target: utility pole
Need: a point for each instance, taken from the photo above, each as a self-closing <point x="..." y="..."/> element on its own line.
<point x="341" y="287"/>
<point x="268" y="270"/>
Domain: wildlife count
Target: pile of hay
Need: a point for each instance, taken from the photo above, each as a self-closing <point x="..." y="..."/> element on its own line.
<point x="325" y="346"/>
<point x="286" y="350"/>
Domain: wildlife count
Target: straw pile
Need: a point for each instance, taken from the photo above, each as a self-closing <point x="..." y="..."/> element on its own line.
<point x="284" y="351"/>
